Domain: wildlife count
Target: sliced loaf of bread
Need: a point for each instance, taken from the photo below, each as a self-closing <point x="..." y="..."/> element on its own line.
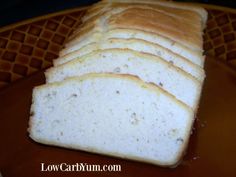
<point x="126" y="84"/>
<point x="117" y="115"/>
<point x="149" y="68"/>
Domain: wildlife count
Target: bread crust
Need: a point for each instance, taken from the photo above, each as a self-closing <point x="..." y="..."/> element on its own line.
<point x="145" y="19"/>
<point x="178" y="5"/>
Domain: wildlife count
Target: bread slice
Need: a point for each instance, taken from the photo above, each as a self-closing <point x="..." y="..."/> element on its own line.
<point x="141" y="122"/>
<point x="149" y="68"/>
<point x="91" y="37"/>
<point x="137" y="45"/>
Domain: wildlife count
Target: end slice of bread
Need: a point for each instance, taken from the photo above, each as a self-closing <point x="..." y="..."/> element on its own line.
<point x="141" y="122"/>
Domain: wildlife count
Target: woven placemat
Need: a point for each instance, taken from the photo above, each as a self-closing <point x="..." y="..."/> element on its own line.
<point x="30" y="46"/>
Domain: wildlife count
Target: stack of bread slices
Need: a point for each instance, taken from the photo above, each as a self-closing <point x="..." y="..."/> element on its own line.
<point x="127" y="83"/>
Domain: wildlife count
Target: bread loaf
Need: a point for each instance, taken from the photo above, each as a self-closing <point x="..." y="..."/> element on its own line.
<point x="127" y="82"/>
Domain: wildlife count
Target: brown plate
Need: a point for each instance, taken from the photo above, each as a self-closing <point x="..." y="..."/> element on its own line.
<point x="211" y="152"/>
<point x="30" y="46"/>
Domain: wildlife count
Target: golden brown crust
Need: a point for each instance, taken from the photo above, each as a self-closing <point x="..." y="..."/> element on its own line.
<point x="165" y="26"/>
<point x="178" y="5"/>
<point x="193" y="24"/>
<point x="146" y="19"/>
<point x="189" y="16"/>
